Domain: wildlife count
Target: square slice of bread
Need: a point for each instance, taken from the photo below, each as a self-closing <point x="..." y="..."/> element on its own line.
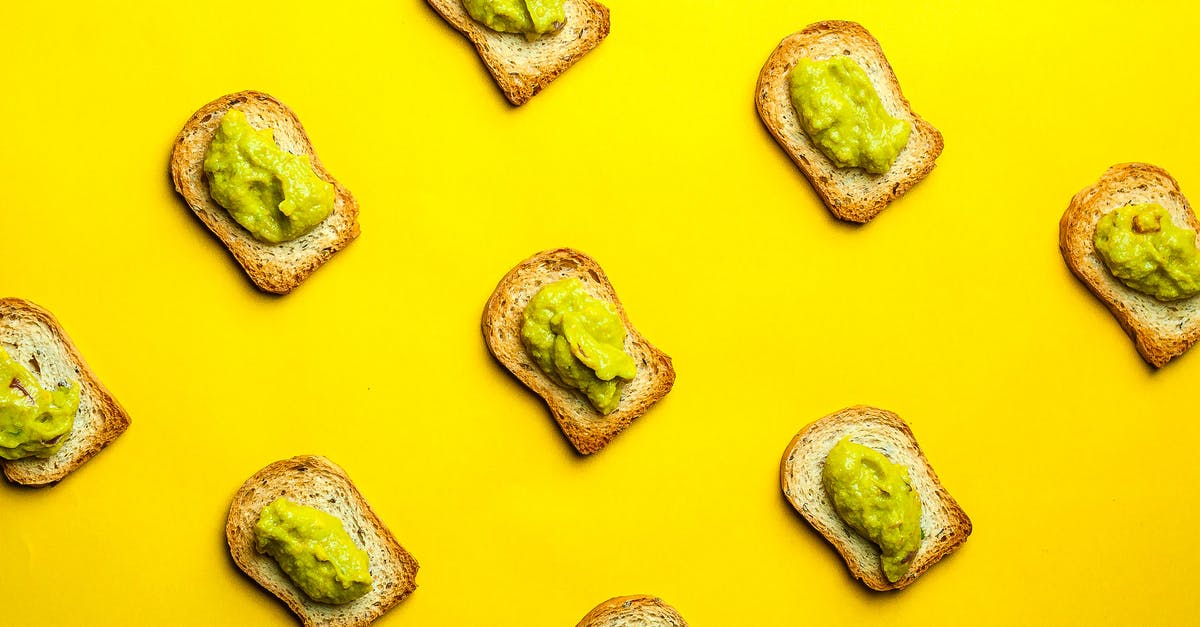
<point x="1160" y="330"/>
<point x="850" y="193"/>
<point x="35" y="339"/>
<point x="316" y="482"/>
<point x="587" y="429"/>
<point x="944" y="524"/>
<point x="276" y="268"/>
<point x="638" y="610"/>
<point x="523" y="68"/>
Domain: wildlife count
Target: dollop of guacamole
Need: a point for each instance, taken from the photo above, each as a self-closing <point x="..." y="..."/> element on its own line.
<point x="34" y="421"/>
<point x="841" y="112"/>
<point x="874" y="497"/>
<point x="532" y="18"/>
<point x="273" y="193"/>
<point x="579" y="342"/>
<point x="1147" y="252"/>
<point x="315" y="551"/>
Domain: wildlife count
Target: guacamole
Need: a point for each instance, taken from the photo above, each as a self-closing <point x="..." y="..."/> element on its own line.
<point x="532" y="18"/>
<point x="874" y="497"/>
<point x="271" y="192"/>
<point x="579" y="342"/>
<point x="34" y="421"/>
<point x="315" y="551"/>
<point x="1147" y="252"/>
<point x="843" y="115"/>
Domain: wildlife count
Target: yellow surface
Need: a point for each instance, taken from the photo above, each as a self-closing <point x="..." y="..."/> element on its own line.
<point x="1075" y="461"/>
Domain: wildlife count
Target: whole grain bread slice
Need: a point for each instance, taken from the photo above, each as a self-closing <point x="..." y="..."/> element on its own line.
<point x="523" y="68"/>
<point x="319" y="483"/>
<point x="850" y="193"/>
<point x="587" y="429"/>
<point x="943" y="522"/>
<point x="35" y="339"/>
<point x="638" y="610"/>
<point x="276" y="268"/>
<point x="1160" y="330"/>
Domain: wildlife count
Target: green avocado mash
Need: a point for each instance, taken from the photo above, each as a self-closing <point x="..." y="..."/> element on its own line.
<point x="874" y="497"/>
<point x="1146" y="251"/>
<point x="271" y="192"/>
<point x="841" y="112"/>
<point x="579" y="341"/>
<point x="315" y="551"/>
<point x="33" y="420"/>
<point x="533" y="18"/>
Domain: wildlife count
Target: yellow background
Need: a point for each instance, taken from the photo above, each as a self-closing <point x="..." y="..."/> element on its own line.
<point x="1076" y="462"/>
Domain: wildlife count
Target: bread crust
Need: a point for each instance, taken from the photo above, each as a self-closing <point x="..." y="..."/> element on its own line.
<point x="1161" y="331"/>
<point x="316" y="482"/>
<point x="850" y="193"/>
<point x="523" y="68"/>
<point x="639" y="610"/>
<point x="34" y="337"/>
<point x="503" y="316"/>
<point x="276" y="268"/>
<point x="944" y="524"/>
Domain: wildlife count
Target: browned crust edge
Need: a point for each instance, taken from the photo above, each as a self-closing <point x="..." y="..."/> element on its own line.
<point x="960" y="524"/>
<point x="594" y="434"/>
<point x="519" y="88"/>
<point x="1076" y="235"/>
<point x="780" y="63"/>
<point x="631" y="604"/>
<point x="116" y="419"/>
<point x="241" y="547"/>
<point x="245" y="252"/>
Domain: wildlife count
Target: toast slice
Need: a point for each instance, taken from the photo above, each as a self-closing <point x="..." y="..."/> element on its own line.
<point x="35" y="339"/>
<point x="587" y="429"/>
<point x="943" y="522"/>
<point x="1160" y="330"/>
<point x="523" y="68"/>
<point x="638" y="610"/>
<point x="276" y="268"/>
<point x="850" y="193"/>
<point x="319" y="483"/>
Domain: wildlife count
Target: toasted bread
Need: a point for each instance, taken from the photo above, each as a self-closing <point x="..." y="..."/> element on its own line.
<point x="1160" y="330"/>
<point x="523" y="68"/>
<point x="633" y="611"/>
<point x="276" y="268"/>
<point x="319" y="483"/>
<point x="34" y="338"/>
<point x="850" y="193"/>
<point x="587" y="429"/>
<point x="944" y="524"/>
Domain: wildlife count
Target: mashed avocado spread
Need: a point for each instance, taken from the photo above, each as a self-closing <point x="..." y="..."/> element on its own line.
<point x="33" y="421"/>
<point x="271" y="192"/>
<point x="578" y="341"/>
<point x="532" y="18"/>
<point x="1146" y="251"/>
<point x="874" y="497"/>
<point x="841" y="112"/>
<point x="315" y="551"/>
